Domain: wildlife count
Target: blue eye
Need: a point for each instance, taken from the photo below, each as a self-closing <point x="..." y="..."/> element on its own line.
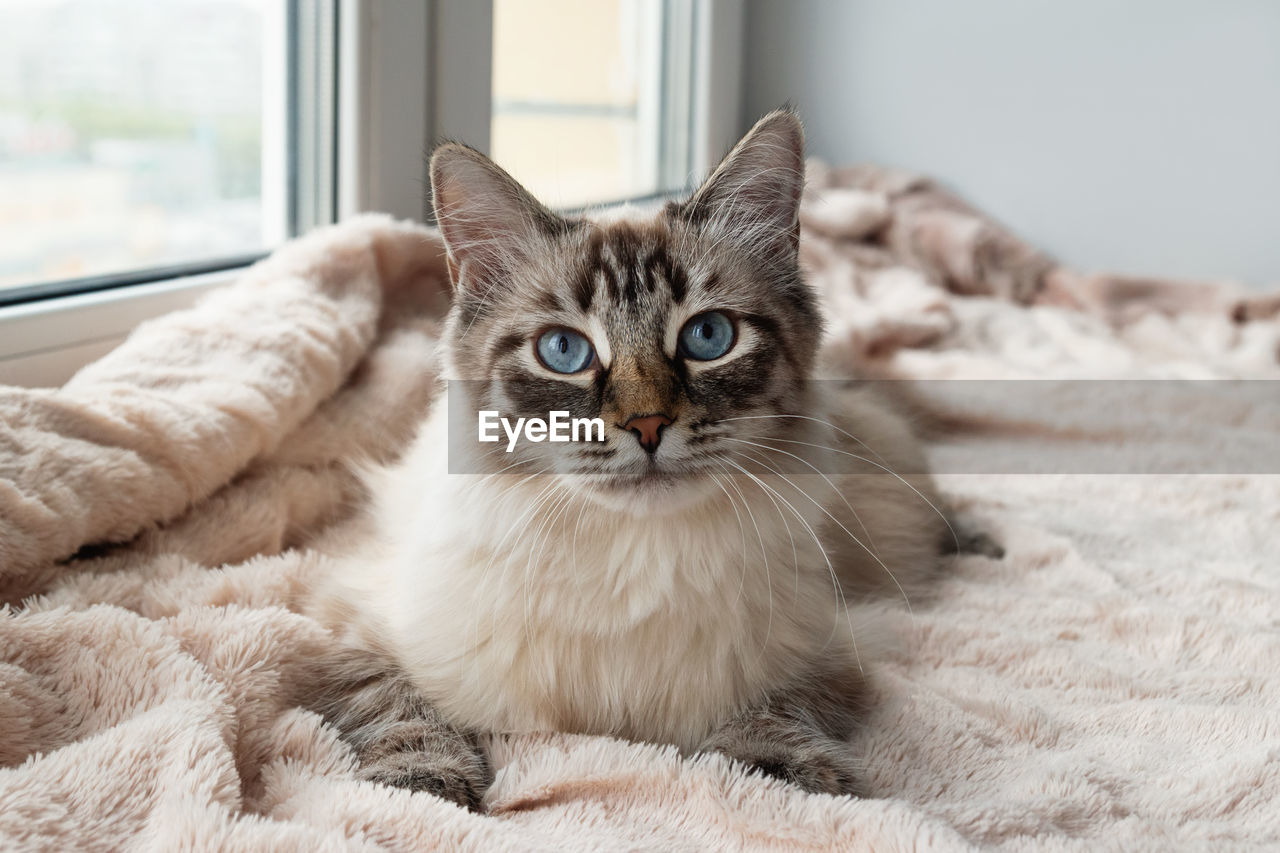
<point x="565" y="351"/>
<point x="707" y="336"/>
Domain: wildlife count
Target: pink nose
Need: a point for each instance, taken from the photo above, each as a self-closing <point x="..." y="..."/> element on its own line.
<point x="648" y="430"/>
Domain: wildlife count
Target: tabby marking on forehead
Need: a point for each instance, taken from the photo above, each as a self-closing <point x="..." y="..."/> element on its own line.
<point x="628" y="260"/>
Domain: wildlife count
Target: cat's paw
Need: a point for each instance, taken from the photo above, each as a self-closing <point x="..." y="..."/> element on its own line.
<point x="458" y="779"/>
<point x="820" y="765"/>
<point x="967" y="537"/>
<point x="974" y="542"/>
<point x="820" y="772"/>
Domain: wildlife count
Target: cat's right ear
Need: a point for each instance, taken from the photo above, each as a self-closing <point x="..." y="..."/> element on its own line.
<point x="489" y="222"/>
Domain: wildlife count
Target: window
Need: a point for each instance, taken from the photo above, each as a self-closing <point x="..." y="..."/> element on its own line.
<point x="149" y="148"/>
<point x="587" y="94"/>
<point x="136" y="134"/>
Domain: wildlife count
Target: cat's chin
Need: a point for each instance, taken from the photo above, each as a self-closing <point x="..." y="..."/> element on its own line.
<point x="651" y="493"/>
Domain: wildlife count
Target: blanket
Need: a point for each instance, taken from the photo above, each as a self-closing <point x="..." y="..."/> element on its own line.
<point x="1113" y="681"/>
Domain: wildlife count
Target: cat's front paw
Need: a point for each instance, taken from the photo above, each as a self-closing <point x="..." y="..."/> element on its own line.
<point x="458" y="779"/>
<point x="819" y="765"/>
<point x="968" y="538"/>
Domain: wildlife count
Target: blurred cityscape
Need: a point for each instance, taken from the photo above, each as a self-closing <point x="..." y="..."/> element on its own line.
<point x="131" y="134"/>
<point x="138" y="133"/>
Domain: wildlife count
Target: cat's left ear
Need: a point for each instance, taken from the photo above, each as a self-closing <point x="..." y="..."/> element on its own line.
<point x="752" y="198"/>
<point x="489" y="222"/>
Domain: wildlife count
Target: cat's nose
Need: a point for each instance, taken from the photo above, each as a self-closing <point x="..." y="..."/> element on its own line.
<point x="648" y="430"/>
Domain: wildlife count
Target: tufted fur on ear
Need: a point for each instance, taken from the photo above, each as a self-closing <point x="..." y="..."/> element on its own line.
<point x="752" y="199"/>
<point x="490" y="223"/>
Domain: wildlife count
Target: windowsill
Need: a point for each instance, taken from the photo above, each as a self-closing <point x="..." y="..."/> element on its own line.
<point x="43" y="343"/>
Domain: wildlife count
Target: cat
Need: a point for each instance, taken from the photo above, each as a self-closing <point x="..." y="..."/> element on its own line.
<point x="697" y="578"/>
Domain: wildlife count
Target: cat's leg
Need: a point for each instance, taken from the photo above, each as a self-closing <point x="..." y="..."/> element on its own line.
<point x="398" y="737"/>
<point x="798" y="734"/>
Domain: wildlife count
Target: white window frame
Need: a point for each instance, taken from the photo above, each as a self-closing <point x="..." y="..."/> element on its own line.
<point x="408" y="74"/>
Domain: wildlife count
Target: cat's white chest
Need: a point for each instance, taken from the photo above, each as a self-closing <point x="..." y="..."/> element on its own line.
<point x="652" y="629"/>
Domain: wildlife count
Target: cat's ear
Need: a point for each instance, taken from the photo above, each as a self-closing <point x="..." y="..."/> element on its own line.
<point x="753" y="196"/>
<point x="489" y="222"/>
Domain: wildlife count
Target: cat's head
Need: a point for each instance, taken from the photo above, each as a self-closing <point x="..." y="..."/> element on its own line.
<point x="685" y="331"/>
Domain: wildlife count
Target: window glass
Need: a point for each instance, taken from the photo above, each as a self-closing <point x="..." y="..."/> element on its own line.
<point x="577" y="97"/>
<point x="132" y="134"/>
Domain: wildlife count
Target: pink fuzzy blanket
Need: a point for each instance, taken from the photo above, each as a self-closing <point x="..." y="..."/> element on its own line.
<point x="1114" y="681"/>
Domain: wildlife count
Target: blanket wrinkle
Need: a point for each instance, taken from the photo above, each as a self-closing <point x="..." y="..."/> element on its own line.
<point x="192" y="398"/>
<point x="1111" y="683"/>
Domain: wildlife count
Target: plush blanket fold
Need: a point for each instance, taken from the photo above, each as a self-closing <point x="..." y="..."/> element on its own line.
<point x="1114" y="681"/>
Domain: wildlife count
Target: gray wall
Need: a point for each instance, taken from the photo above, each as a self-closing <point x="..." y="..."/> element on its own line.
<point x="1140" y="136"/>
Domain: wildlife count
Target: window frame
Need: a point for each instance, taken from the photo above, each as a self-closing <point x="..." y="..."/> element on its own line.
<point x="405" y="76"/>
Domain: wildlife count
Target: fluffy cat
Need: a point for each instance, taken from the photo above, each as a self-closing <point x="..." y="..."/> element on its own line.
<point x="698" y="577"/>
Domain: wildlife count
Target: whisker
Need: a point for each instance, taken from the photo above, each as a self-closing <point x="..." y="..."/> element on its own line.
<point x="829" y="515"/>
<point x="840" y="603"/>
<point x="576" y="530"/>
<point x="889" y="471"/>
<point x="850" y="435"/>
<point x="764" y="554"/>
<point x="840" y="494"/>
<point x="741" y="530"/>
<point x="795" y="559"/>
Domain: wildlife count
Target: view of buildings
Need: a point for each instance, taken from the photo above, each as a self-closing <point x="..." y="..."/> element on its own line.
<point x="137" y="133"/>
<point x="130" y="134"/>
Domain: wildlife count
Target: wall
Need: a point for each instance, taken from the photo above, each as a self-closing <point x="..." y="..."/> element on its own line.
<point x="1140" y="136"/>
